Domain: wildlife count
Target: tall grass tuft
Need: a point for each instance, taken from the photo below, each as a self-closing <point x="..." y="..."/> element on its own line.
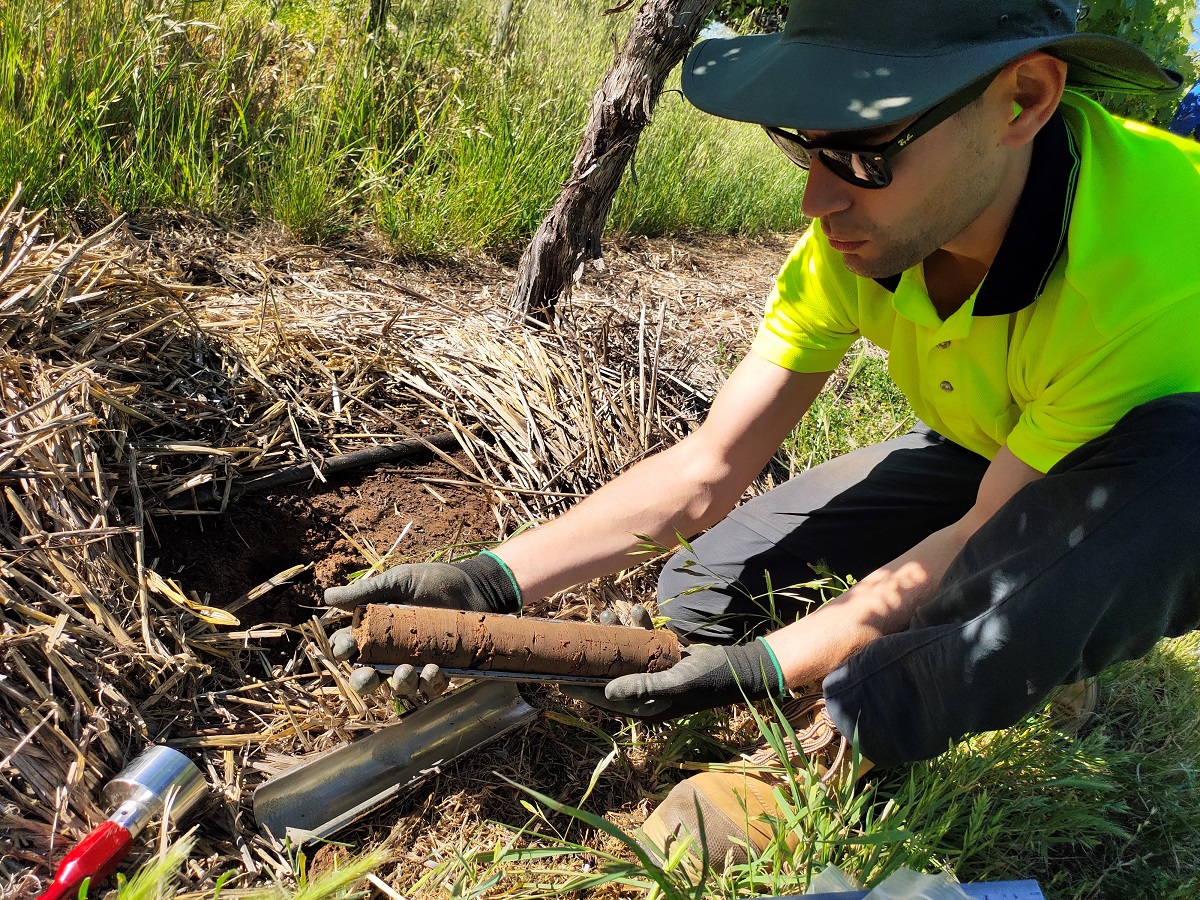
<point x="159" y="879"/>
<point x="287" y="112"/>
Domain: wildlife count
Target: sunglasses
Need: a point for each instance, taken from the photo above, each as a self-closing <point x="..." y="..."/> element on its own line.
<point x="870" y="167"/>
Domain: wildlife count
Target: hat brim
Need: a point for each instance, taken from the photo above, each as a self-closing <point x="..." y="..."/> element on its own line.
<point x="771" y="80"/>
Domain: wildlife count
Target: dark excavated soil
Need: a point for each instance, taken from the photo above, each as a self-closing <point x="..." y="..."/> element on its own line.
<point x="325" y="527"/>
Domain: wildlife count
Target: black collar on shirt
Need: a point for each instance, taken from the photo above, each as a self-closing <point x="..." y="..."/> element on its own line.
<point x="1037" y="235"/>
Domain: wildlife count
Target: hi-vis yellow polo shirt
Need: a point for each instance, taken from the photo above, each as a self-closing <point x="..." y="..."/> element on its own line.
<point x="1091" y="307"/>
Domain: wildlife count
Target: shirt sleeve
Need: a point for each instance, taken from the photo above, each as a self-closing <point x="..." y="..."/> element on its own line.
<point x="809" y="323"/>
<point x="1155" y="358"/>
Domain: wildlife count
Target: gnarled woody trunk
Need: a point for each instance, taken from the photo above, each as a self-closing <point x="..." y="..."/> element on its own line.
<point x="659" y="37"/>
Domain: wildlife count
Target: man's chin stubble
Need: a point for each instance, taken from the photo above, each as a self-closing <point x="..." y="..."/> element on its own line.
<point x="884" y="267"/>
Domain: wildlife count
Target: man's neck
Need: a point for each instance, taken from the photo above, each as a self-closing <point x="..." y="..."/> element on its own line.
<point x="954" y="271"/>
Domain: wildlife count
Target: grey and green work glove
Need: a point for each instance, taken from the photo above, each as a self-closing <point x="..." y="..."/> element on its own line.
<point x="708" y="676"/>
<point x="480" y="583"/>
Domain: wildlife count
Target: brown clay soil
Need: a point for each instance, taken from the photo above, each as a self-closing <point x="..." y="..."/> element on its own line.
<point x="467" y="640"/>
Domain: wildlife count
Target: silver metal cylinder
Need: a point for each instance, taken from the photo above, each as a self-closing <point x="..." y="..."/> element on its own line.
<point x="159" y="780"/>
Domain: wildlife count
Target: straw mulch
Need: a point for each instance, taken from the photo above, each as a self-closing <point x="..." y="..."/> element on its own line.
<point x="128" y="393"/>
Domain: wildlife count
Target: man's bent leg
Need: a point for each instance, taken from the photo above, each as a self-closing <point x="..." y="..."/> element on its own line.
<point x="1086" y="567"/>
<point x="854" y="513"/>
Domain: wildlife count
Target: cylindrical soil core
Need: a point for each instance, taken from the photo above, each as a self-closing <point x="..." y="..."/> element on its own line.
<point x="394" y="635"/>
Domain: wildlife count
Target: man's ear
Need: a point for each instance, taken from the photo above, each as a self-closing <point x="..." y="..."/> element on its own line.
<point x="1029" y="90"/>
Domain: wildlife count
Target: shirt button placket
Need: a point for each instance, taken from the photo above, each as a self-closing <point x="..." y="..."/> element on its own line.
<point x="945" y="385"/>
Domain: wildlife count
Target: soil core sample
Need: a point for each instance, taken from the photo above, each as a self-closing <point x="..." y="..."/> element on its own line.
<point x="394" y="635"/>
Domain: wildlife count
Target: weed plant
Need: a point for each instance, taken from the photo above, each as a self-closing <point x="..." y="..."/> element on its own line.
<point x="287" y="112"/>
<point x="861" y="407"/>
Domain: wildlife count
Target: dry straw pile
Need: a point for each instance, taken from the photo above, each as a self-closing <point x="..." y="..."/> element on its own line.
<point x="128" y="397"/>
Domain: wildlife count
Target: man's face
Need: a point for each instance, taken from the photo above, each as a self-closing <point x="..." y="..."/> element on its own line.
<point x="942" y="184"/>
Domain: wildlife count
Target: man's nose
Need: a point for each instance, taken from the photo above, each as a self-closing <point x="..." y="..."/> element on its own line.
<point x="824" y="192"/>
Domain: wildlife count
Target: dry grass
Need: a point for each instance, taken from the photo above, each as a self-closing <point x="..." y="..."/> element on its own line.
<point x="130" y="390"/>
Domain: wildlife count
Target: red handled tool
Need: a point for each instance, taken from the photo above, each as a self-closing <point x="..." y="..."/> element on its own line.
<point x="160" y="780"/>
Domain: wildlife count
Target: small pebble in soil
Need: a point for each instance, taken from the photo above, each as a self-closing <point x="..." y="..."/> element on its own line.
<point x="364" y="680"/>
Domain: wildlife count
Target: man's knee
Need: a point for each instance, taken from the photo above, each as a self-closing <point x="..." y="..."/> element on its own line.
<point x="1177" y="412"/>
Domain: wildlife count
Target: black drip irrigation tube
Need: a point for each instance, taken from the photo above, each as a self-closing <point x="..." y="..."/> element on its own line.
<point x="332" y="466"/>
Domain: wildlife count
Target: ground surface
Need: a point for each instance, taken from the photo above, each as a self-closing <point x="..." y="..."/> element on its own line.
<point x="713" y="288"/>
<point x="710" y="291"/>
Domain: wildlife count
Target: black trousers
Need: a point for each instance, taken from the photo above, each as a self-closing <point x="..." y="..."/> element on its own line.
<point x="1088" y="566"/>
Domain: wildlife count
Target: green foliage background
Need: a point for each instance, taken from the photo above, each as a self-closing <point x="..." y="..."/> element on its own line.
<point x="289" y="113"/>
<point x="1163" y="29"/>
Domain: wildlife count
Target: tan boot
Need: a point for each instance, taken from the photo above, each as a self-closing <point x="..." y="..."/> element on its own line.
<point x="1073" y="705"/>
<point x="724" y="812"/>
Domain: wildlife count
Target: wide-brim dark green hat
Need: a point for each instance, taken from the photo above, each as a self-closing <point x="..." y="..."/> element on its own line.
<point x="850" y="64"/>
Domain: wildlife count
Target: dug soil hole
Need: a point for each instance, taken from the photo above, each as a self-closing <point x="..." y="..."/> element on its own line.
<point x="332" y="529"/>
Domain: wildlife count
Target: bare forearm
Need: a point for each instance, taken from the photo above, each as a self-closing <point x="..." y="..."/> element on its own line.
<point x="661" y="497"/>
<point x="885" y="601"/>
<point x="680" y="491"/>
<point x="882" y="603"/>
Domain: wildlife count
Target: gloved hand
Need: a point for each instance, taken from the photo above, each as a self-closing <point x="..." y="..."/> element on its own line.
<point x="480" y="583"/>
<point x="708" y="676"/>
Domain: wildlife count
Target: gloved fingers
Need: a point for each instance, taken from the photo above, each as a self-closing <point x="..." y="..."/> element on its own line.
<point x="364" y="680"/>
<point x="391" y="586"/>
<point x="633" y="688"/>
<point x="639" y="617"/>
<point x="681" y="678"/>
<point x="405" y="682"/>
<point x="433" y="681"/>
<point x="341" y="644"/>
<point x="656" y="709"/>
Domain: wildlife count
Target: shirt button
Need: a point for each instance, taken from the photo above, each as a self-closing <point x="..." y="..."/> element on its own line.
<point x="943" y="345"/>
<point x="946" y="386"/>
